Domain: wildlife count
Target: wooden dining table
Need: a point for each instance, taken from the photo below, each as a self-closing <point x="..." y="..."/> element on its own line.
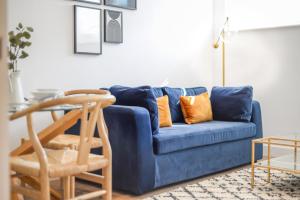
<point x="59" y="126"/>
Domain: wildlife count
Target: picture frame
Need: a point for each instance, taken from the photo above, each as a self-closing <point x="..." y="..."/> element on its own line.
<point x="126" y="4"/>
<point x="87" y="30"/>
<point x="113" y="26"/>
<point x="97" y="2"/>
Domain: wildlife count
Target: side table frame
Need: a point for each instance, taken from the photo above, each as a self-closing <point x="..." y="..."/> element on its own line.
<point x="274" y="141"/>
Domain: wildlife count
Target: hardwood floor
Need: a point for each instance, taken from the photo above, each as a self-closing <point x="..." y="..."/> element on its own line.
<point x="81" y="187"/>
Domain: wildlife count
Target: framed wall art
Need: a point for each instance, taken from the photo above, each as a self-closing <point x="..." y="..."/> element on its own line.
<point x="127" y="4"/>
<point x="113" y="26"/>
<point x="90" y="1"/>
<point x="87" y="30"/>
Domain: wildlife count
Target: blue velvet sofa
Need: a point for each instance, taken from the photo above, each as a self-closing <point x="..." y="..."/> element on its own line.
<point x="143" y="161"/>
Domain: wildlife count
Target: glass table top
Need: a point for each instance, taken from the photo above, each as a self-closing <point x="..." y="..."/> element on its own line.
<point x="290" y="152"/>
<point x="18" y="107"/>
<point x="289" y="162"/>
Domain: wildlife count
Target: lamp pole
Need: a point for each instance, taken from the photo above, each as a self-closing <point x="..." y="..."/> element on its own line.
<point x="223" y="62"/>
<point x="216" y="45"/>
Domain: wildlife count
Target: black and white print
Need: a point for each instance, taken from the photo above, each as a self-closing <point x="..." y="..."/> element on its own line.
<point x="113" y="21"/>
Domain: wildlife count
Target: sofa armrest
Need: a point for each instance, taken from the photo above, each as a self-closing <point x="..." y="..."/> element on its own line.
<point x="256" y="118"/>
<point x="132" y="147"/>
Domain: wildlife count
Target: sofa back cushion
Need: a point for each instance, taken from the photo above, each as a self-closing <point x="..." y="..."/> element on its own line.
<point x="174" y="95"/>
<point x="232" y="103"/>
<point x="138" y="96"/>
<point x="158" y="92"/>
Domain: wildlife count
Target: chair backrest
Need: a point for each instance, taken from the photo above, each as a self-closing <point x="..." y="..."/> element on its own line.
<point x="89" y="118"/>
<point x="91" y="113"/>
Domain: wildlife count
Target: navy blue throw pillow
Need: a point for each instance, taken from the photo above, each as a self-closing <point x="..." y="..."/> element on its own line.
<point x="195" y="91"/>
<point x="138" y="96"/>
<point x="174" y="99"/>
<point x="157" y="91"/>
<point x="232" y="103"/>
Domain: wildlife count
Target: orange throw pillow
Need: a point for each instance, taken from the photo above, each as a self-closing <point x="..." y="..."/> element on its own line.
<point x="164" y="114"/>
<point x="196" y="109"/>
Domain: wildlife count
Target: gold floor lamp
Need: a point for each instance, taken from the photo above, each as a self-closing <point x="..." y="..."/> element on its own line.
<point x="221" y="38"/>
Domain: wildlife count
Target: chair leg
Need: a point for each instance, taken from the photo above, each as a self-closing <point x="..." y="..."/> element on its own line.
<point x="45" y="187"/>
<point x="72" y="187"/>
<point x="66" y="183"/>
<point x="107" y="184"/>
<point x="61" y="182"/>
<point x="15" y="196"/>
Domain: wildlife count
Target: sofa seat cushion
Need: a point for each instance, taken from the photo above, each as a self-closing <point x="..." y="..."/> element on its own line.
<point x="182" y="136"/>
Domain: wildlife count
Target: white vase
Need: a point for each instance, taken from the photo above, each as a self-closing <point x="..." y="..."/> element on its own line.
<point x="16" y="89"/>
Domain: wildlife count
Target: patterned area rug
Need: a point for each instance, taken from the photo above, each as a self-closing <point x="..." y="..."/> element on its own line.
<point x="236" y="185"/>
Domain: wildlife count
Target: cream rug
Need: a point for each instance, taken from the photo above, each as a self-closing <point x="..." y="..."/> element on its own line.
<point x="236" y="185"/>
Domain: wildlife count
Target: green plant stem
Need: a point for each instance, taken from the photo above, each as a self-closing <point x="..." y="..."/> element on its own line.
<point x="10" y="49"/>
<point x="17" y="54"/>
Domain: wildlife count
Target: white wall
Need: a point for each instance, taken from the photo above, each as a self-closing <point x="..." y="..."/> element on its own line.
<point x="219" y="7"/>
<point x="269" y="60"/>
<point x="164" y="41"/>
<point x="4" y="136"/>
<point x="255" y="14"/>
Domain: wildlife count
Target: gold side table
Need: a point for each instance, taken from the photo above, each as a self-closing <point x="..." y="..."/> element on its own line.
<point x="287" y="163"/>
